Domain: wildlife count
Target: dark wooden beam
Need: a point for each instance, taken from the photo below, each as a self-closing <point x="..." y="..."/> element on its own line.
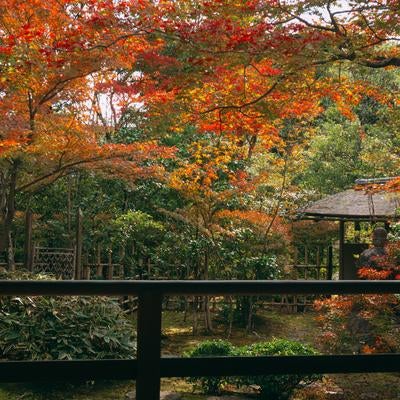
<point x="192" y="287"/>
<point x="80" y="370"/>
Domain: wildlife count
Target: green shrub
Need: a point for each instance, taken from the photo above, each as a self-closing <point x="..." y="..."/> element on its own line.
<point x="208" y="348"/>
<point x="58" y="328"/>
<point x="277" y="387"/>
<point x="272" y="387"/>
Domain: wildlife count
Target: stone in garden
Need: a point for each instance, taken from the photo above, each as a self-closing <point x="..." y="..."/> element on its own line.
<point x="369" y="396"/>
<point x="170" y="396"/>
<point x="227" y="398"/>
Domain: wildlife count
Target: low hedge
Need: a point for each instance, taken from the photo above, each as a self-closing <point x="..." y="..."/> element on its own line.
<point x="273" y="387"/>
<point x="208" y="348"/>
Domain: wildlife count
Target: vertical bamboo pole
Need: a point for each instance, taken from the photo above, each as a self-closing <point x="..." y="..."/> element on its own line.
<point x="28" y="246"/>
<point x="99" y="268"/>
<point x="78" y="245"/>
<point x="110" y="269"/>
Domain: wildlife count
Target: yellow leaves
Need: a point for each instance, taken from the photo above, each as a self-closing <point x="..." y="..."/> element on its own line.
<point x="204" y="167"/>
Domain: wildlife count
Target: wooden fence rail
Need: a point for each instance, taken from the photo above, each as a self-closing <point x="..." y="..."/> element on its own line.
<point x="149" y="366"/>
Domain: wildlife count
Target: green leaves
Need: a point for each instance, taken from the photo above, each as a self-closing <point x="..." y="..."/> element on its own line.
<point x="278" y="387"/>
<point x="64" y="328"/>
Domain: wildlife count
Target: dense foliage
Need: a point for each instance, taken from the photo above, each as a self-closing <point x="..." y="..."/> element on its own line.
<point x="364" y="323"/>
<point x="63" y="328"/>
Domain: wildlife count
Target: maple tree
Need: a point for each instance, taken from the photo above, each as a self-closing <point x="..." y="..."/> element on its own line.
<point x="53" y="55"/>
<point x="237" y="70"/>
<point x="251" y="64"/>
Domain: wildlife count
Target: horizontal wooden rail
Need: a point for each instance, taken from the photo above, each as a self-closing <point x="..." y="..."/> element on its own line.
<point x="149" y="366"/>
<point x="124" y="288"/>
<point x="81" y="370"/>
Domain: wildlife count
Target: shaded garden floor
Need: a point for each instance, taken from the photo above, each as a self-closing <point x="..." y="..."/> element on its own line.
<point x="178" y="337"/>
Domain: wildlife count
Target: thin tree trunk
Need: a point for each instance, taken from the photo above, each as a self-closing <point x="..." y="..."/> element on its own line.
<point x="250" y="315"/>
<point x="69" y="207"/>
<point x="230" y="316"/>
<point x="207" y="312"/>
<point x="10" y="253"/>
<point x="279" y="201"/>
<point x="195" y="319"/>
<point x="8" y="205"/>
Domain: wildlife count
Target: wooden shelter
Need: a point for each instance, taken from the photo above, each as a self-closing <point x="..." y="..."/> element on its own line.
<point x="354" y="206"/>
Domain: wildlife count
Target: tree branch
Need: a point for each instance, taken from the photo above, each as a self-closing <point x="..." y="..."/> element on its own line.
<point x="247" y="104"/>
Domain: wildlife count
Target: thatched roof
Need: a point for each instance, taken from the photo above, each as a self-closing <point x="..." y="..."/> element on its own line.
<point x="355" y="205"/>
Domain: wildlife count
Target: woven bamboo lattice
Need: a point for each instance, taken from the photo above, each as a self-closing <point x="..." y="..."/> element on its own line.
<point x="55" y="261"/>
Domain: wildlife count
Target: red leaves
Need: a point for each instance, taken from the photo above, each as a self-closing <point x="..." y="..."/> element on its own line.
<point x="384" y="267"/>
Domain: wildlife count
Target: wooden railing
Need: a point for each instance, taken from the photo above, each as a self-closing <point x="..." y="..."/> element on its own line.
<point x="149" y="366"/>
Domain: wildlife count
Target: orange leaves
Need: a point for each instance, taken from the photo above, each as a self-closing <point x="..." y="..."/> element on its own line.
<point x="205" y="165"/>
<point x="54" y="56"/>
<point x="9" y="145"/>
<point x="372" y="273"/>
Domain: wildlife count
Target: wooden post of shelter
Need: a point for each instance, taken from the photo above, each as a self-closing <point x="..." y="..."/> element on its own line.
<point x="342" y="228"/>
<point x="28" y="247"/>
<point x="330" y="263"/>
<point x="78" y="245"/>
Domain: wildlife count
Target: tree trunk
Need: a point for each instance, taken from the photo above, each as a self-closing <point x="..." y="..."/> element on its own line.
<point x="8" y="182"/>
<point x="10" y="253"/>
<point x="195" y="321"/>
<point x="207" y="312"/>
<point x="249" y="325"/>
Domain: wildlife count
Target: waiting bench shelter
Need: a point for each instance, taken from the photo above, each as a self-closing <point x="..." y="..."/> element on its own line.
<point x="355" y="205"/>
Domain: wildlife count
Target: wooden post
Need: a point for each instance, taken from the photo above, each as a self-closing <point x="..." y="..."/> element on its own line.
<point x="122" y="252"/>
<point x="330" y="263"/>
<point x="10" y="253"/>
<point x="28" y="246"/>
<point x="69" y="206"/>
<point x="148" y="346"/>
<point x="86" y="272"/>
<point x="295" y="262"/>
<point x="78" y="245"/>
<point x="148" y="267"/>
<point x="140" y="263"/>
<point x="305" y="269"/>
<point x="318" y="263"/>
<point x="99" y="268"/>
<point x="110" y="269"/>
<point x="341" y="249"/>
